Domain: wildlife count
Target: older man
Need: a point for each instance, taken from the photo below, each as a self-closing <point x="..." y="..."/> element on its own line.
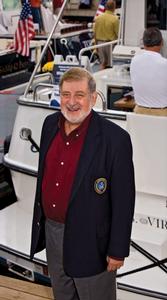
<point x="85" y="195"/>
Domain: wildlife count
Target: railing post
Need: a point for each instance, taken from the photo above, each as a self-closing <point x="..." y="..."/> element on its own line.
<point x="45" y="47"/>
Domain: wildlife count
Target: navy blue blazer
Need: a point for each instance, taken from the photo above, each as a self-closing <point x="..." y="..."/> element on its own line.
<point x="101" y="206"/>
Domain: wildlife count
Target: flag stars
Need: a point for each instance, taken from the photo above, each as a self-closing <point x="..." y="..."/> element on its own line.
<point x="26" y="10"/>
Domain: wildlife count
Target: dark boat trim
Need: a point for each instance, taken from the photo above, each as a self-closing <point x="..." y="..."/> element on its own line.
<point x="115" y="116"/>
<point x="37" y="104"/>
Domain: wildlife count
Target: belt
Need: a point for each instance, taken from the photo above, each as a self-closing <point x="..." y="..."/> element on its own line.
<point x="104" y="41"/>
<point x="152" y="107"/>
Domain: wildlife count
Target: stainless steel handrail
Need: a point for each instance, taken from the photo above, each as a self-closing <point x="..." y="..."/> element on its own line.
<point x="41" y="85"/>
<point x="95" y="47"/>
<point x="48" y="74"/>
<point x="45" y="48"/>
<point x="104" y="102"/>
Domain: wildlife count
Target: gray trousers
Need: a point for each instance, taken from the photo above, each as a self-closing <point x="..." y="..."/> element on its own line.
<point x="104" y="54"/>
<point x="98" y="287"/>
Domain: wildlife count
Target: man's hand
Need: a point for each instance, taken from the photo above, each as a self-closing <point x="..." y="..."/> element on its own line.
<point x="114" y="264"/>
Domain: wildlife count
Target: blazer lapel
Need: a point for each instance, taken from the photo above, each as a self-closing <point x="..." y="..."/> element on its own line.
<point x="91" y="144"/>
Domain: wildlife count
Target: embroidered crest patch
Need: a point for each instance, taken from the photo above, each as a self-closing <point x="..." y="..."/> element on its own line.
<point x="100" y="185"/>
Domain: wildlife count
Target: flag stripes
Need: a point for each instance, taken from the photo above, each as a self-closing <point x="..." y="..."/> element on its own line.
<point x="25" y="31"/>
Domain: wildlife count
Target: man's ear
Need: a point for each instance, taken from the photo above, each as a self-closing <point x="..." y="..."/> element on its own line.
<point x="94" y="98"/>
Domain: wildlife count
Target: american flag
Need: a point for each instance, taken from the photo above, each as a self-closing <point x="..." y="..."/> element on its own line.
<point x="101" y="8"/>
<point x="25" y="30"/>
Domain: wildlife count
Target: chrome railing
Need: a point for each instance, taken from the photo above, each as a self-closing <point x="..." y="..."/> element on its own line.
<point x="45" y="47"/>
<point x="95" y="47"/>
<point x="103" y="99"/>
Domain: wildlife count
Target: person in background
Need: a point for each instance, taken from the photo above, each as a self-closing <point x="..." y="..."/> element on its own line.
<point x="148" y="71"/>
<point x="56" y="6"/>
<point x="36" y="13"/>
<point x="85" y="194"/>
<point x="106" y="29"/>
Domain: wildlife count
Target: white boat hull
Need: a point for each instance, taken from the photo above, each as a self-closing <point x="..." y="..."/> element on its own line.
<point x="144" y="275"/>
<point x="149" y="227"/>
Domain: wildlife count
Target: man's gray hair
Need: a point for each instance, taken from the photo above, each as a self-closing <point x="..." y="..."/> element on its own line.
<point x="152" y="37"/>
<point x="77" y="74"/>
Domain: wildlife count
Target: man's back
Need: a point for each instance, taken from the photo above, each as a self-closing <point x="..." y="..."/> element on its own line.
<point x="148" y="74"/>
<point x="106" y="27"/>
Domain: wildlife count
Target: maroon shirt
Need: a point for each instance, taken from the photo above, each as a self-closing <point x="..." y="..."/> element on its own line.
<point x="60" y="169"/>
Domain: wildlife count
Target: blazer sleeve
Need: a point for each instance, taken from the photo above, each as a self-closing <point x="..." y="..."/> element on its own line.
<point x="122" y="198"/>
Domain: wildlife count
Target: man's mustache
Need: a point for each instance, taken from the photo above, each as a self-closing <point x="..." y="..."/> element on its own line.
<point x="73" y="107"/>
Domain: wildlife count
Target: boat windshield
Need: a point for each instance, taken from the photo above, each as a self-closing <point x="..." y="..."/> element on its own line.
<point x="157" y="14"/>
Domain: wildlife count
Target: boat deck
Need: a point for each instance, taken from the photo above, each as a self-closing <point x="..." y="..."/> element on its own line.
<point x="11" y="288"/>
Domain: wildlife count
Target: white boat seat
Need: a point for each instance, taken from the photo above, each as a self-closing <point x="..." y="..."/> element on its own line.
<point x="149" y="139"/>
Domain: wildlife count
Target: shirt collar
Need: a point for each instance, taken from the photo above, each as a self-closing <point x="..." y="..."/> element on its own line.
<point x="152" y="52"/>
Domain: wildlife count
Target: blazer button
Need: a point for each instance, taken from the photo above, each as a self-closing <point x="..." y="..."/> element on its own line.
<point x="38" y="224"/>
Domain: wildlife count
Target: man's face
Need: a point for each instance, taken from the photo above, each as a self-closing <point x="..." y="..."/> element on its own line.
<point x="76" y="100"/>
